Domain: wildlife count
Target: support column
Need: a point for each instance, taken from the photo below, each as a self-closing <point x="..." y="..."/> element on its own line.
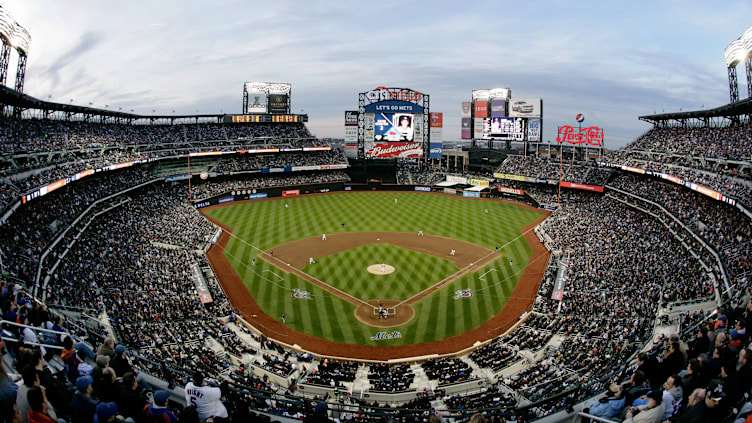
<point x="21" y="72"/>
<point x="4" y="63"/>
<point x="733" y="85"/>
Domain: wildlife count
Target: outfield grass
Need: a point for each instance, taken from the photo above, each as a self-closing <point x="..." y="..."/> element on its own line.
<point x="264" y="224"/>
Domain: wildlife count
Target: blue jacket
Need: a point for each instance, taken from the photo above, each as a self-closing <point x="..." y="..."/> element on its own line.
<point x="607" y="409"/>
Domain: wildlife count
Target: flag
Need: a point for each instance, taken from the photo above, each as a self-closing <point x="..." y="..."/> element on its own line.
<point x="153" y="111"/>
<point x="703" y="106"/>
<point x="681" y="108"/>
<point x="49" y="97"/>
<point x="131" y="110"/>
<point x="120" y="108"/>
<point x="91" y="104"/>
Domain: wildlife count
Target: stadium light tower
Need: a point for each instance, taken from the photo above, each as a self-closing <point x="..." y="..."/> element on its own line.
<point x="739" y="51"/>
<point x="747" y="41"/>
<point x="21" y="42"/>
<point x="7" y="27"/>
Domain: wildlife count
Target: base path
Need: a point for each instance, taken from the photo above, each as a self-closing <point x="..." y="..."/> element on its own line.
<point x="520" y="301"/>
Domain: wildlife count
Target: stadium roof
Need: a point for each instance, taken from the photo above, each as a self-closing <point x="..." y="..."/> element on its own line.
<point x="739" y="108"/>
<point x="11" y="97"/>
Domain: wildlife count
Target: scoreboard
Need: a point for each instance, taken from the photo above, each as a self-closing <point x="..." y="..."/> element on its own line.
<point x="265" y="118"/>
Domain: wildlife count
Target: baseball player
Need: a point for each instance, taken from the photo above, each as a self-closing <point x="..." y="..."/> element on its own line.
<point x="383" y="267"/>
<point x="204" y="398"/>
<point x="451" y="253"/>
<point x="420" y="233"/>
<point x="286" y="206"/>
<point x="323" y="237"/>
<point x="310" y="260"/>
<point x="284" y="318"/>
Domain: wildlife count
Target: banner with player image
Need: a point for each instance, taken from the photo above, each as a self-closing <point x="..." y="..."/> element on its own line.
<point x="394" y="127"/>
<point x="256" y="102"/>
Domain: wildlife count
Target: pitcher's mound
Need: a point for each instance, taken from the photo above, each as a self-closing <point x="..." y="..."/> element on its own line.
<point x="376" y="269"/>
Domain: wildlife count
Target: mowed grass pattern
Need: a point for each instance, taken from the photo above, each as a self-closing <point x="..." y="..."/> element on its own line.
<point x="264" y="224"/>
<point x="413" y="273"/>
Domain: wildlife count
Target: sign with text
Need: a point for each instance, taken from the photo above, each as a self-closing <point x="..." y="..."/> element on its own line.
<point x="481" y="109"/>
<point x="395" y="149"/>
<point x="467" y="132"/>
<point x="592" y="135"/>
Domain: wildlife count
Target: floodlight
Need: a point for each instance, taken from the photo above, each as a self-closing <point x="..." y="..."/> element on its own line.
<point x="21" y="40"/>
<point x="7" y="26"/>
<point x="734" y="53"/>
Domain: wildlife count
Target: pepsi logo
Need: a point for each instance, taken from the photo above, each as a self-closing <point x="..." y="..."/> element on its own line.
<point x="580" y="118"/>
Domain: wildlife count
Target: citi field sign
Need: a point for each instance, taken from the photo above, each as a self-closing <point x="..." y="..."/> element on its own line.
<point x="400" y="94"/>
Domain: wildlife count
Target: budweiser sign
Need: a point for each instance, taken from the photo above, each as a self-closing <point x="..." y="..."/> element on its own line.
<point x="592" y="135"/>
<point x="396" y="149"/>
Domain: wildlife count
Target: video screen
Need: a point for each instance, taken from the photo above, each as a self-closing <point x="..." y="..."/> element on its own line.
<point x="394" y="127"/>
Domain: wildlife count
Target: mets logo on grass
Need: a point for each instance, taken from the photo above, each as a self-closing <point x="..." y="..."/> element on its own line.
<point x="381" y="336"/>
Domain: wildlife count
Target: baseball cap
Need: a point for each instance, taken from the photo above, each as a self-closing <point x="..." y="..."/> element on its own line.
<point x="734" y="333"/>
<point x="120" y="349"/>
<point x="105" y="410"/>
<point x="656" y="395"/>
<point x="715" y="390"/>
<point x="83" y="383"/>
<point x="161" y="397"/>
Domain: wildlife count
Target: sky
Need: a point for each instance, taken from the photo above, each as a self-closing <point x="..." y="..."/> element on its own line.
<point x="611" y="61"/>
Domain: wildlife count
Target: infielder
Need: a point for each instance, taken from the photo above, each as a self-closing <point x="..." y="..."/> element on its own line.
<point x="451" y="253"/>
<point x="420" y="233"/>
<point x="323" y="237"/>
<point x="310" y="260"/>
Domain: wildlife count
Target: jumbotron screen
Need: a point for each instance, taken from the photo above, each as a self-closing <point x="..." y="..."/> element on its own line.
<point x="394" y="127"/>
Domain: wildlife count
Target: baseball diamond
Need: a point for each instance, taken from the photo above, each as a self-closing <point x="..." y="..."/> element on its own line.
<point x="340" y="318"/>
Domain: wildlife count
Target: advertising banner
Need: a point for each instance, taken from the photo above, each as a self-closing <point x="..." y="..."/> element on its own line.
<point x="561" y="280"/>
<point x="584" y="187"/>
<point x="478" y="182"/>
<point x="478" y="128"/>
<point x="351" y="118"/>
<point x="511" y="191"/>
<point x="467" y="108"/>
<point x="394" y="127"/>
<point x="534" y="129"/>
<point x="450" y="191"/>
<point x="481" y="109"/>
<point x="394" y="106"/>
<point x="368" y="121"/>
<point x="256" y="102"/>
<point x="435" y="150"/>
<point x="467" y="132"/>
<point x="291" y="193"/>
<point x="592" y="135"/>
<point x="419" y="135"/>
<point x="508" y="176"/>
<point x="456" y="179"/>
<point x="351" y="135"/>
<point x="498" y="108"/>
<point x="437" y="135"/>
<point x="437" y="120"/>
<point x="525" y="107"/>
<point x="228" y="199"/>
<point x="471" y="194"/>
<point x="547" y="207"/>
<point x="395" y="149"/>
<point x="278" y="104"/>
<point x="423" y="189"/>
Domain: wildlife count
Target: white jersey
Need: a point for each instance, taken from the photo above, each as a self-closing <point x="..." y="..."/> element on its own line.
<point x="206" y="400"/>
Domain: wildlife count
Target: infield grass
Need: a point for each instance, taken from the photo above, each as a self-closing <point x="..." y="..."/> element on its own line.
<point x="265" y="224"/>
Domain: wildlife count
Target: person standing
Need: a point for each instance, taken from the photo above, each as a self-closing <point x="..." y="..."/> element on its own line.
<point x="323" y="237"/>
<point x="206" y="399"/>
<point x="284" y="318"/>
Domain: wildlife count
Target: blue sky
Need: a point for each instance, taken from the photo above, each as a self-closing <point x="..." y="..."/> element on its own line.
<point x="610" y="61"/>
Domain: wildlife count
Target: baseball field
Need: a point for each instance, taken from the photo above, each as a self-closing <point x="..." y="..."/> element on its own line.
<point x="374" y="258"/>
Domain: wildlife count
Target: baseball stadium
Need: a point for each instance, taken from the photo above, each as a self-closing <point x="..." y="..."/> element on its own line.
<point x="235" y="267"/>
